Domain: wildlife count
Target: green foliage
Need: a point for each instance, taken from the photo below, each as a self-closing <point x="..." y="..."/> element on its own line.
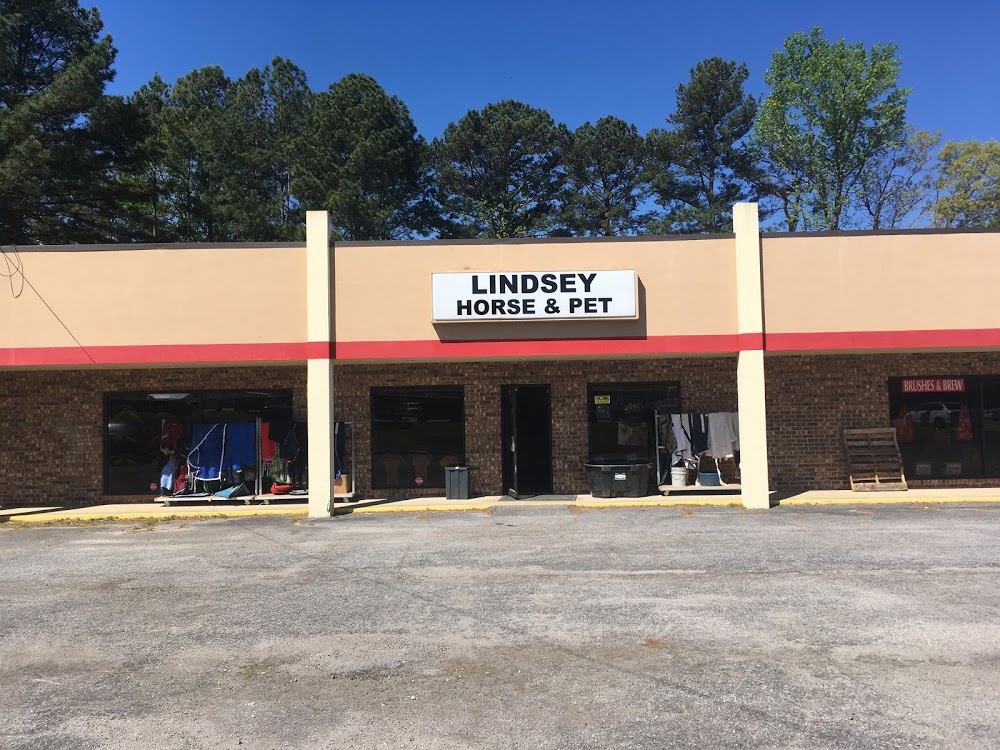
<point x="271" y="108"/>
<point x="209" y="158"/>
<point x="498" y="172"/>
<point x="288" y="101"/>
<point x="895" y="183"/>
<point x="144" y="181"/>
<point x="364" y="162"/>
<point x="702" y="165"/>
<point x="219" y="156"/>
<point x="198" y="147"/>
<point x="605" y="179"/>
<point x="832" y="110"/>
<point x="60" y="137"/>
<point x="968" y="185"/>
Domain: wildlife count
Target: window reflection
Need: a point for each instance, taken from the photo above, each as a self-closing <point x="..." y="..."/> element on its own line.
<point x="416" y="433"/>
<point x="939" y="426"/>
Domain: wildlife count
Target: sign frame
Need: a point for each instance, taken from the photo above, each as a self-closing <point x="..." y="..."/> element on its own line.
<point x="563" y="318"/>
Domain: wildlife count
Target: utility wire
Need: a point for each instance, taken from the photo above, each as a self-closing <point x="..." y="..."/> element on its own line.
<point x="15" y="270"/>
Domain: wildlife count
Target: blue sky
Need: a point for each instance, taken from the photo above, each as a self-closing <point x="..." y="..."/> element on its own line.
<point x="580" y="60"/>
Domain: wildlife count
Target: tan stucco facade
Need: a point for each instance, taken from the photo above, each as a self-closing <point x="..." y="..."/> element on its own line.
<point x="872" y="282"/>
<point x="750" y="295"/>
<point x="154" y="296"/>
<point x="383" y="291"/>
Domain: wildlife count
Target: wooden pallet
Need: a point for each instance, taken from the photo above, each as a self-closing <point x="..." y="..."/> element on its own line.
<point x="873" y="460"/>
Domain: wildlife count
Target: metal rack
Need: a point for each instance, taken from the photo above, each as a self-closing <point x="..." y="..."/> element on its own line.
<point x="348" y="423"/>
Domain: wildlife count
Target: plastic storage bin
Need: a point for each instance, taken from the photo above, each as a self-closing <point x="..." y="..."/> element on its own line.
<point x="456" y="482"/>
<point x="618" y="480"/>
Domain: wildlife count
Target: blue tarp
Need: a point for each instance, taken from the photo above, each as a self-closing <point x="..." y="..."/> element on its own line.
<point x="205" y="457"/>
<point x="241" y="445"/>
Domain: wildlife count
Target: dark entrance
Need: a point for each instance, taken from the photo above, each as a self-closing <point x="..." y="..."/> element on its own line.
<point x="527" y="439"/>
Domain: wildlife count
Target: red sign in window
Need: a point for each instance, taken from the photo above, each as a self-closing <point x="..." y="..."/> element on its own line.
<point x="934" y="385"/>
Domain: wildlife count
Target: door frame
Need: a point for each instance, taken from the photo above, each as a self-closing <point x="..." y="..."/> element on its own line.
<point x="508" y="433"/>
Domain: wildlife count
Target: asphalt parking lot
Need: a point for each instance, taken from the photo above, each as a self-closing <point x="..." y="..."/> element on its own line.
<point x="527" y="628"/>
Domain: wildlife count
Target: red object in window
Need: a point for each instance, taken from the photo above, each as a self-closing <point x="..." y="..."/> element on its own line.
<point x="268" y="448"/>
<point x="904" y="426"/>
<point x="180" y="483"/>
<point x="170" y="437"/>
<point x="964" y="424"/>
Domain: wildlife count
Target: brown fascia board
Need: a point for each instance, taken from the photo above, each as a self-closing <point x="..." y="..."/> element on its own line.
<point x="538" y="240"/>
<point x="880" y="232"/>
<point x="124" y="247"/>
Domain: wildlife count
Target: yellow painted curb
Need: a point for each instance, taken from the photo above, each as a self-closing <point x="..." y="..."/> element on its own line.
<point x="890" y="501"/>
<point x="657" y="504"/>
<point x="348" y="510"/>
<point x="591" y="504"/>
<point x="42" y="518"/>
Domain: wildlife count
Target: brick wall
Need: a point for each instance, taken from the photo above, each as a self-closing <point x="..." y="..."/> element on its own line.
<point x="706" y="385"/>
<point x="52" y="431"/>
<point x="812" y="399"/>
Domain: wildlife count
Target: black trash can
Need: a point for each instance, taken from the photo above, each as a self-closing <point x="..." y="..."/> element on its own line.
<point x="456" y="482"/>
<point x="618" y="480"/>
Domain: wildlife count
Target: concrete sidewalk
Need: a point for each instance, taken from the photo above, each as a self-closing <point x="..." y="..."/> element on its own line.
<point x="694" y="497"/>
<point x="138" y="511"/>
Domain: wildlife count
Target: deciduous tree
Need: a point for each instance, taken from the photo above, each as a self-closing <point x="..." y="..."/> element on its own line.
<point x="968" y="185"/>
<point x="834" y="108"/>
<point x="895" y="184"/>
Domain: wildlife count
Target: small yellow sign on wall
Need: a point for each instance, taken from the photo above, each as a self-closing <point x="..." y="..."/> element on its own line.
<point x="602" y="399"/>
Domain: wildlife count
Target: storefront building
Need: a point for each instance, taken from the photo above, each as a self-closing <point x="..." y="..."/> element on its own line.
<point x="523" y="359"/>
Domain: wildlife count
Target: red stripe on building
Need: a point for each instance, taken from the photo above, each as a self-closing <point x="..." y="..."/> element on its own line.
<point x="433" y="349"/>
<point x="162" y="354"/>
<point x="865" y="340"/>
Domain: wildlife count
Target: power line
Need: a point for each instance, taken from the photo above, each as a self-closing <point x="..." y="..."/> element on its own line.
<point x="15" y="270"/>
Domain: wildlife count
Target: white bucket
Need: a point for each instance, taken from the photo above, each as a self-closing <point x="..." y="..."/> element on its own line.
<point x="678" y="476"/>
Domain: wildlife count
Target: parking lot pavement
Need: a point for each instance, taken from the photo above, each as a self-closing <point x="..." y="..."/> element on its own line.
<point x="526" y="628"/>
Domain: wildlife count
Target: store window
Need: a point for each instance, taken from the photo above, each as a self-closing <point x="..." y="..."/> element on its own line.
<point x="146" y="430"/>
<point x="621" y="420"/>
<point x="940" y="427"/>
<point x="990" y="390"/>
<point x="416" y="433"/>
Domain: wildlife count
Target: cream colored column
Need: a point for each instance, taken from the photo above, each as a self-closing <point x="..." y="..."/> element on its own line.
<point x="750" y="365"/>
<point x="319" y="375"/>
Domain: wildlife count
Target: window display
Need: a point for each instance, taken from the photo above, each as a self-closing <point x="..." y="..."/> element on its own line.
<point x="416" y="433"/>
<point x="152" y="440"/>
<point x="621" y="420"/>
<point x="939" y="427"/>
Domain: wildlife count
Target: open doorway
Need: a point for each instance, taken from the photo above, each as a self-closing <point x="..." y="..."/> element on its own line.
<point x="527" y="439"/>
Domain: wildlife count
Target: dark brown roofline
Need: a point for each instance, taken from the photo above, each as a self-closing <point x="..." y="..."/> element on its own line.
<point x="539" y="240"/>
<point x="880" y="232"/>
<point x="127" y="246"/>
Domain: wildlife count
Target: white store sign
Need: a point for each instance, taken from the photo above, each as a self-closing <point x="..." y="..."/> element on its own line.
<point x="534" y="295"/>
